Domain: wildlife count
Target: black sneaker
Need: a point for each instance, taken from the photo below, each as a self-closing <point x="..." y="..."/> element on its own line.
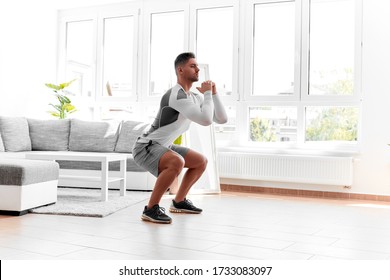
<point x="156" y="214"/>
<point x="184" y="206"/>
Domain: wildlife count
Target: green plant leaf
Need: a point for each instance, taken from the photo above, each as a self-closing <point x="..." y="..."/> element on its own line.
<point x="67" y="100"/>
<point x="68" y="107"/>
<point x="65" y="107"/>
<point x="54" y="114"/>
<point x="61" y="99"/>
<point x="64" y="85"/>
<point x="52" y="86"/>
<point x="60" y="86"/>
<point x="57" y="107"/>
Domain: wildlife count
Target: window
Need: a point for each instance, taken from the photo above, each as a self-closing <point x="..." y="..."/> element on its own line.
<point x="79" y="56"/>
<point x="215" y="43"/>
<point x="216" y="51"/>
<point x="118" y="56"/>
<point x="332" y="47"/>
<point x="305" y="67"/>
<point x="166" y="42"/>
<point x="273" y="55"/>
<point x="273" y="124"/>
<point x="331" y="123"/>
<point x="287" y="71"/>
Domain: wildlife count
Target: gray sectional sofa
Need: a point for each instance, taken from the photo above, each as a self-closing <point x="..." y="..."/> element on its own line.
<point x="20" y="135"/>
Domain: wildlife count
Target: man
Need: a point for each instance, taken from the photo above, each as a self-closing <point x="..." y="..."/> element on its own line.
<point x="154" y="150"/>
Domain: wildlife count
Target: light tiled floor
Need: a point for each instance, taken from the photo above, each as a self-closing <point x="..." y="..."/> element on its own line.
<point x="233" y="226"/>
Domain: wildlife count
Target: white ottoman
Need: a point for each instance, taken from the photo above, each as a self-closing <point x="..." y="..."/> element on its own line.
<point x="26" y="184"/>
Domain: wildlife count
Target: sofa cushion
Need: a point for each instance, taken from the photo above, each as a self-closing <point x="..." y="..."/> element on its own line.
<point x="130" y="130"/>
<point x="93" y="136"/>
<point x="21" y="172"/>
<point x="49" y="135"/>
<point x="15" y="134"/>
<point x="1" y="144"/>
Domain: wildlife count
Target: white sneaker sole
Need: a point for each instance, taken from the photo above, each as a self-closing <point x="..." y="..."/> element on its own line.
<point x="177" y="210"/>
<point x="148" y="219"/>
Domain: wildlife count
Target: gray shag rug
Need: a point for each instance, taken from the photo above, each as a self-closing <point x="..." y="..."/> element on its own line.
<point x="86" y="202"/>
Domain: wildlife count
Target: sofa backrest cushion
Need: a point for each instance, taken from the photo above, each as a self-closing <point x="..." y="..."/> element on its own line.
<point x="130" y="130"/>
<point x="15" y="134"/>
<point x="93" y="136"/>
<point x="49" y="135"/>
<point x="2" y="149"/>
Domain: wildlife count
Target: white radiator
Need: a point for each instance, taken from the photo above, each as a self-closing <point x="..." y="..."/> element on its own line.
<point x="286" y="168"/>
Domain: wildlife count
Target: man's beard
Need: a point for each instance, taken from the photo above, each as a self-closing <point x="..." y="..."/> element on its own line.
<point x="194" y="79"/>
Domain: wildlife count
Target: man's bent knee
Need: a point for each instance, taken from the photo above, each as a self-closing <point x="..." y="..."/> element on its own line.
<point x="204" y="163"/>
<point x="176" y="163"/>
<point x="172" y="162"/>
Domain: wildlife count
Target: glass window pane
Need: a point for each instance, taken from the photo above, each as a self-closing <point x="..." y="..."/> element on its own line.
<point x="274" y="43"/>
<point x="79" y="56"/>
<point x="218" y="54"/>
<point x="273" y="124"/>
<point x="331" y="123"/>
<point x="167" y="41"/>
<point x="331" y="47"/>
<point x="118" y="56"/>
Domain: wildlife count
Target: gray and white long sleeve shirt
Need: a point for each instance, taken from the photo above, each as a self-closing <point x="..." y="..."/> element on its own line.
<point x="178" y="109"/>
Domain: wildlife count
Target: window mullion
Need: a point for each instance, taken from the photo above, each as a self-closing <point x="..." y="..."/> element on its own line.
<point x="98" y="63"/>
<point x="304" y="49"/>
<point x="301" y="124"/>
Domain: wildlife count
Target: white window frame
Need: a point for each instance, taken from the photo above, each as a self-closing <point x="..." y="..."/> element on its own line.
<point x="301" y="98"/>
<point x="241" y="97"/>
<point x="97" y="14"/>
<point x="74" y="16"/>
<point x="206" y="4"/>
<point x="150" y="8"/>
<point x="356" y="97"/>
<point x="116" y="12"/>
<point x="249" y="51"/>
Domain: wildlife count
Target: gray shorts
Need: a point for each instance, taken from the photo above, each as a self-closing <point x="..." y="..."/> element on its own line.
<point x="147" y="155"/>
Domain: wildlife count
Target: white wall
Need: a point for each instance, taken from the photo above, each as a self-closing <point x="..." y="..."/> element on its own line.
<point x="28" y="48"/>
<point x="27" y="55"/>
<point x="28" y="61"/>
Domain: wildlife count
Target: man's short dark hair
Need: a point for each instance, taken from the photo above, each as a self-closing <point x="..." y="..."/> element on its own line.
<point x="183" y="58"/>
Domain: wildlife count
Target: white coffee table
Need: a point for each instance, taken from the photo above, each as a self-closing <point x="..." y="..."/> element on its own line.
<point x="103" y="158"/>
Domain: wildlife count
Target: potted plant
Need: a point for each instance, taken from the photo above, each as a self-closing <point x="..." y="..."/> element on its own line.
<point x="65" y="106"/>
